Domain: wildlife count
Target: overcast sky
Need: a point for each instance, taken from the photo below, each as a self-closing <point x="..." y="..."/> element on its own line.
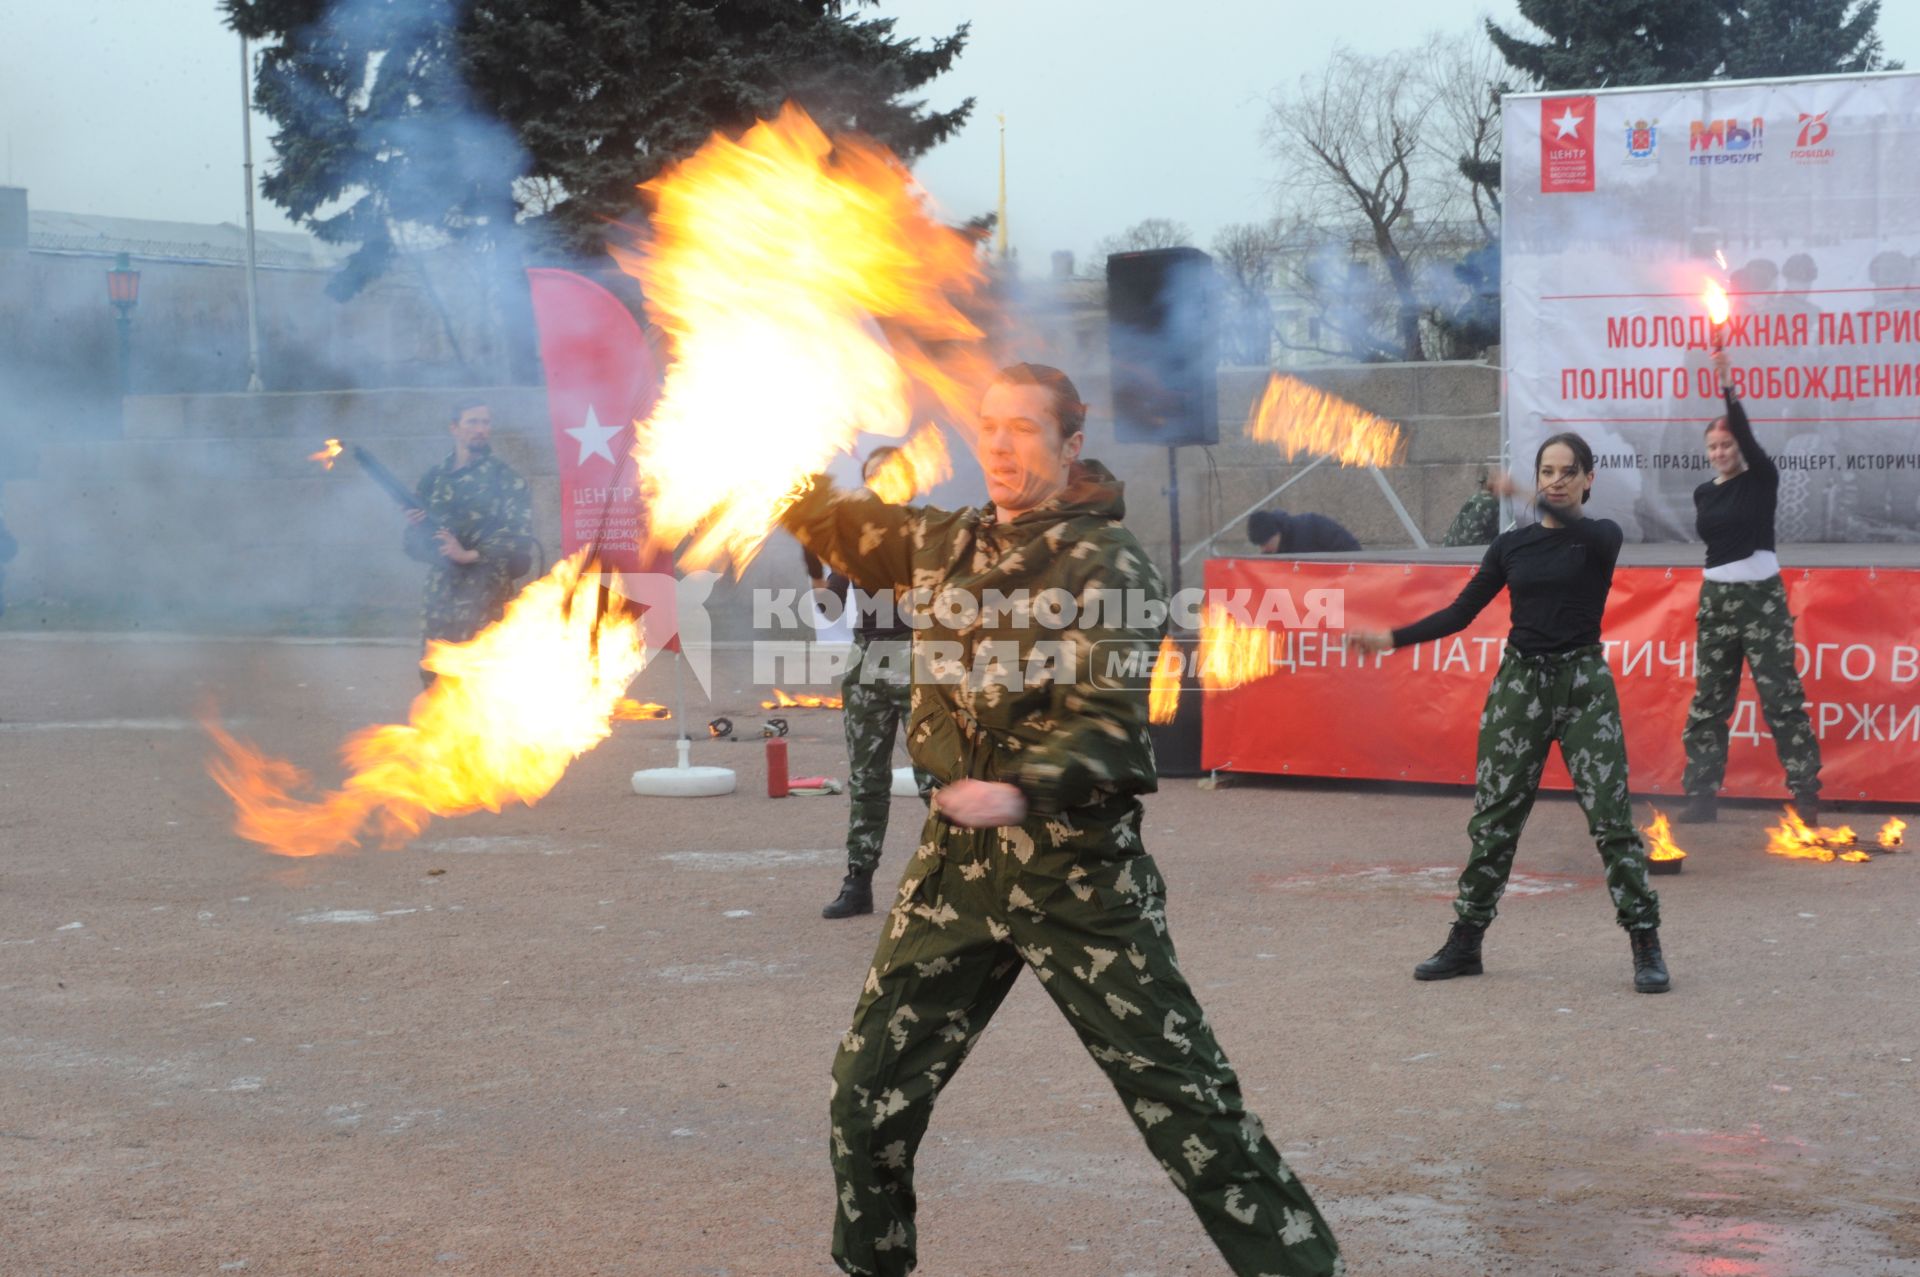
<point x="1116" y="110"/>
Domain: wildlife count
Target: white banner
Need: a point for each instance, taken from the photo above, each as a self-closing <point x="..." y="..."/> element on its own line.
<point x="1620" y="204"/>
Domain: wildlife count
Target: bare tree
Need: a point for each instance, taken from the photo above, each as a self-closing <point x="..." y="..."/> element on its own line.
<point x="1374" y="195"/>
<point x="1245" y="255"/>
<point x="1152" y="232"/>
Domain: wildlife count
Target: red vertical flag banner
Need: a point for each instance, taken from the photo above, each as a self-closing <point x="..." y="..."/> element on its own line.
<point x="1566" y="145"/>
<point x="602" y="378"/>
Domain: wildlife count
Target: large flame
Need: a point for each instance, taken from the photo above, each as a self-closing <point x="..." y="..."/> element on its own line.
<point x="809" y="296"/>
<point x="1163" y="691"/>
<point x="1797" y="840"/>
<point x="1304" y="421"/>
<point x="1892" y="833"/>
<point x="1715" y="298"/>
<point x="327" y="453"/>
<point x="920" y="463"/>
<point x="507" y="714"/>
<point x="1660" y="843"/>
<point x="805" y="700"/>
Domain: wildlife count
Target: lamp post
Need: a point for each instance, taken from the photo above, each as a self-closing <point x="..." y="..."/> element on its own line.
<point x="123" y="290"/>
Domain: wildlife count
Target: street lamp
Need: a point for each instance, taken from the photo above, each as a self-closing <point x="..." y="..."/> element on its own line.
<point x="123" y="290"/>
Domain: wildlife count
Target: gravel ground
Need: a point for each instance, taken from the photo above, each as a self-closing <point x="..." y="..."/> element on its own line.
<point x="592" y="1037"/>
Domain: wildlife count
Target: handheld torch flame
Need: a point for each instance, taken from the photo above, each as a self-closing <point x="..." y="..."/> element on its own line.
<point x="1797" y="840"/>
<point x="628" y="710"/>
<point x="1302" y="420"/>
<point x="509" y="710"/>
<point x="1717" y="305"/>
<point x="1163" y="691"/>
<point x="326" y="454"/>
<point x="1891" y="833"/>
<point x="809" y="297"/>
<point x="1660" y="843"/>
<point x="1231" y="654"/>
<point x="920" y="463"/>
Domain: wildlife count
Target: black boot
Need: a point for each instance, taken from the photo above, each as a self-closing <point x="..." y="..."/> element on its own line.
<point x="1649" y="968"/>
<point x="856" y="897"/>
<point x="1701" y="809"/>
<point x="1460" y="955"/>
<point x="1808" y="805"/>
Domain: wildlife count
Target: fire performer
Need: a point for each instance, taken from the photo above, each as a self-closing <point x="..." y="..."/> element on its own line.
<point x="1032" y="852"/>
<point x="1743" y="616"/>
<point x="875" y="695"/>
<point x="482" y="517"/>
<point x="1553" y="684"/>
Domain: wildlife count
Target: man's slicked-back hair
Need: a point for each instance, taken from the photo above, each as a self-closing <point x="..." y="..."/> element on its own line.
<point x="1062" y="395"/>
<point x="461" y="407"/>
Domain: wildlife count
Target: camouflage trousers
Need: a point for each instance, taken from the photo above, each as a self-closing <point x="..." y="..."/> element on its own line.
<point x="1076" y="899"/>
<point x="1747" y="620"/>
<point x="875" y="706"/>
<point x="1534" y="701"/>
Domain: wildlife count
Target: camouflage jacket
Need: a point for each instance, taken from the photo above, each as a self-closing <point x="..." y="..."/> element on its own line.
<point x="1051" y="696"/>
<point x="1478" y="522"/>
<point x="488" y="508"/>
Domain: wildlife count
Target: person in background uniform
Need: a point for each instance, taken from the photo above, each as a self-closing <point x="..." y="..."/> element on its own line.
<point x="481" y="516"/>
<point x="1478" y="521"/>
<point x="1032" y="853"/>
<point x="1743" y="616"/>
<point x="875" y="693"/>
<point x="1277" y="532"/>
<point x="1553" y="684"/>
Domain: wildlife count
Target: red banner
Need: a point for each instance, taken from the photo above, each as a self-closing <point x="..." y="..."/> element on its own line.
<point x="1414" y="714"/>
<point x="601" y="379"/>
<point x="1566" y="145"/>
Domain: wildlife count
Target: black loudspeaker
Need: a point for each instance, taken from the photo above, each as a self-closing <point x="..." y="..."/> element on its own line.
<point x="1163" y="343"/>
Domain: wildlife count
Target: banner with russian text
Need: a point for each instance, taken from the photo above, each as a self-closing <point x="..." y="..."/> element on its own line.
<point x="1414" y="714"/>
<point x="1802" y="200"/>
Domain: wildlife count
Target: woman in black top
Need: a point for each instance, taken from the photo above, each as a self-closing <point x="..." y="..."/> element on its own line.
<point x="1743" y="616"/>
<point x="1553" y="684"/>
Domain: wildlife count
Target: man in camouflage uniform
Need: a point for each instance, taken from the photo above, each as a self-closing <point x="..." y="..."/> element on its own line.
<point x="1748" y="620"/>
<point x="474" y="526"/>
<point x="1032" y="853"/>
<point x="1534" y="701"/>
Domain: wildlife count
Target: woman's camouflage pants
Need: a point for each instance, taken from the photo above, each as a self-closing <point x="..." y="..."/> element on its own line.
<point x="1534" y="701"/>
<point x="1076" y="899"/>
<point x="1747" y="620"/>
<point x="875" y="694"/>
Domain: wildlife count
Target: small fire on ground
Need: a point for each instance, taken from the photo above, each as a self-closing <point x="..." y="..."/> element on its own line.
<point x="1797" y="840"/>
<point x="326" y="454"/>
<point x="1892" y="834"/>
<point x="1660" y="843"/>
<point x="628" y="710"/>
<point x="805" y="700"/>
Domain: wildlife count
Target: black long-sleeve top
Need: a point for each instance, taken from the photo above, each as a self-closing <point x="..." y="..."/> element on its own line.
<point x="1557" y="580"/>
<point x="1735" y="518"/>
<point x="867" y="621"/>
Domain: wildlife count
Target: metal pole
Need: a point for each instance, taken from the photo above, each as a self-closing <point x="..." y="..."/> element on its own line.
<point x="1000" y="226"/>
<point x="254" y="384"/>
<point x="1173" y="512"/>
<point x="1393" y="499"/>
<point x="125" y="321"/>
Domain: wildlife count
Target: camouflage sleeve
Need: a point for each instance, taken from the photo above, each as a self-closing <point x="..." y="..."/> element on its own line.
<point x="510" y="528"/>
<point x="1478" y="522"/>
<point x="1098" y="742"/>
<point x="857" y="534"/>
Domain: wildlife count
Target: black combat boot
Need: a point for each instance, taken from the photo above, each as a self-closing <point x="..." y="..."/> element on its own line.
<point x="1701" y="809"/>
<point x="856" y="897"/>
<point x="1649" y="968"/>
<point x="1460" y="955"/>
<point x="1808" y="805"/>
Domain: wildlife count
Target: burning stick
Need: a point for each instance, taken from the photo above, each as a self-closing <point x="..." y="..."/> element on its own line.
<point x="1797" y="840"/>
<point x="1301" y="420"/>
<point x="1663" y="854"/>
<point x="803" y="701"/>
<point x="1163" y="693"/>
<point x="327" y="453"/>
<point x="628" y="710"/>
<point x="920" y="463"/>
<point x="1231" y="654"/>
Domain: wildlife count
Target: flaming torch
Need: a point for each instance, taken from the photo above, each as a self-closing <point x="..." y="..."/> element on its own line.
<point x="1663" y="854"/>
<point x="327" y="453"/>
<point x="1163" y="691"/>
<point x="1301" y="420"/>
<point x="1718" y="309"/>
<point x="920" y="463"/>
